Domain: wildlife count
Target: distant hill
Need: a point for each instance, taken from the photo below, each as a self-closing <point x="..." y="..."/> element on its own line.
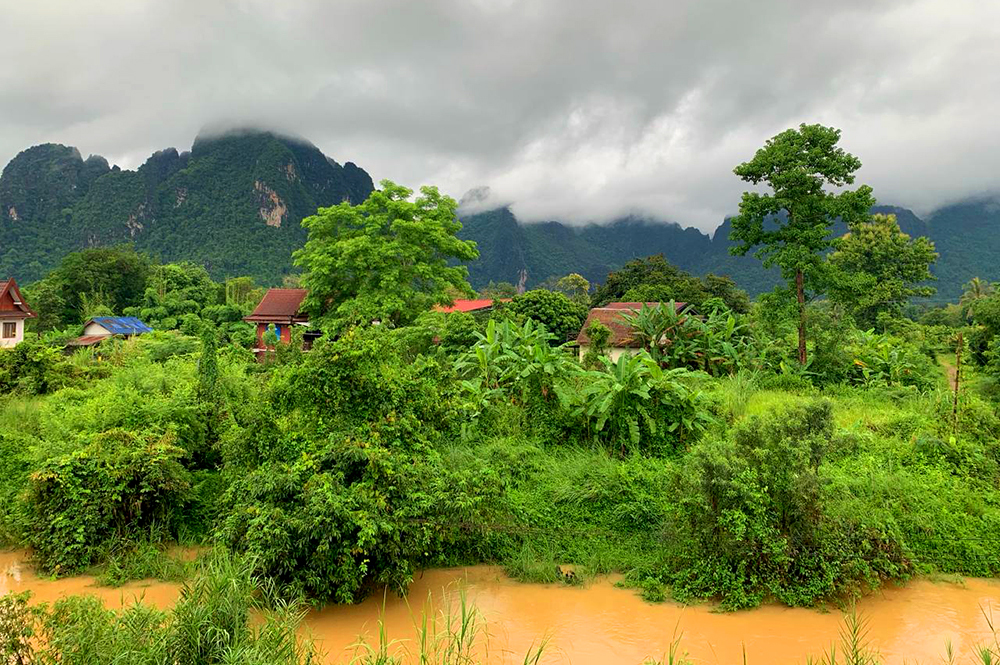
<point x="967" y="236"/>
<point x="235" y="202"/>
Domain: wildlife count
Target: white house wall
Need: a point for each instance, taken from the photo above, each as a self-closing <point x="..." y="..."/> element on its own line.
<point x="613" y="354"/>
<point x="18" y="333"/>
<point x="94" y="328"/>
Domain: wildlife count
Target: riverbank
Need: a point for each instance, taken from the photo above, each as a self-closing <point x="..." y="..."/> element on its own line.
<point x="600" y="622"/>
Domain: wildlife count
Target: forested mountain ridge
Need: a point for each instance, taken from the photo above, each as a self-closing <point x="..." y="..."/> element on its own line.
<point x="233" y="203"/>
<point x="967" y="236"/>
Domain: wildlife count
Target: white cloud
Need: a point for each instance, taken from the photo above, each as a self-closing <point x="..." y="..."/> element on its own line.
<point x="572" y="109"/>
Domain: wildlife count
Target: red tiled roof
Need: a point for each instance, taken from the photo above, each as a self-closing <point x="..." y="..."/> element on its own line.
<point x="613" y="315"/>
<point x="279" y="305"/>
<point x="467" y="305"/>
<point x="614" y="319"/>
<point x="10" y="295"/>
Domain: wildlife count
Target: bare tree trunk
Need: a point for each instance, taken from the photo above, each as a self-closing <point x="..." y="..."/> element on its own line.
<point x="800" y="295"/>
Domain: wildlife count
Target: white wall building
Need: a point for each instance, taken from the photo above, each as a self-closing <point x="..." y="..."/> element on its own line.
<point x="13" y="312"/>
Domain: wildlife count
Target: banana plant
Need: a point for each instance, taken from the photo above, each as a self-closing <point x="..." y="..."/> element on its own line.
<point x="635" y="398"/>
<point x="512" y="361"/>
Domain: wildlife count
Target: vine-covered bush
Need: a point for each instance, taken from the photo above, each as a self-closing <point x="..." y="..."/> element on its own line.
<point x="754" y="524"/>
<point x="118" y="485"/>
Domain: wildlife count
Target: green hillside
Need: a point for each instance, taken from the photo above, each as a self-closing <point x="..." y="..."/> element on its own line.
<point x="234" y="203"/>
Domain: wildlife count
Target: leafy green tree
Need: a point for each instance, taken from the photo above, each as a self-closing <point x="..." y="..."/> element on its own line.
<point x="974" y="290"/>
<point x="876" y="268"/>
<point x="791" y="225"/>
<point x="387" y="260"/>
<point x="575" y="287"/>
<point x="672" y="283"/>
<point x="725" y="289"/>
<point x="497" y="290"/>
<point x="561" y="316"/>
<point x="208" y="364"/>
<point x="654" y="279"/>
<point x="118" y="274"/>
<point x="46" y="299"/>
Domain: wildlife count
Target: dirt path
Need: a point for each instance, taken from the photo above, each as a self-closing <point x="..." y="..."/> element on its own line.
<point x="951" y="371"/>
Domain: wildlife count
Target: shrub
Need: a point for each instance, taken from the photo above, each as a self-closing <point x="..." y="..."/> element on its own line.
<point x="636" y="406"/>
<point x="561" y="316"/>
<point x="360" y="382"/>
<point x="119" y="484"/>
<point x="348" y="517"/>
<point x="752" y="512"/>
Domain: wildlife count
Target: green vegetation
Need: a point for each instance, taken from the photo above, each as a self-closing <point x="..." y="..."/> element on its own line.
<point x="710" y="464"/>
<point x="233" y="204"/>
<point x="796" y="165"/>
<point x="385" y="260"/>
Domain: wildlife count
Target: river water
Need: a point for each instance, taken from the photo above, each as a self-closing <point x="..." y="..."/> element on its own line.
<point x="600" y="623"/>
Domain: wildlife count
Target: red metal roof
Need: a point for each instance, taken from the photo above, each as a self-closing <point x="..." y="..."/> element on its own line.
<point x="638" y="305"/>
<point x="466" y="305"/>
<point x="280" y="305"/>
<point x="89" y="340"/>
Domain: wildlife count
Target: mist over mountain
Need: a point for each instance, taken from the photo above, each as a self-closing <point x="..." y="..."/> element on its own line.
<point x="967" y="236"/>
<point x="235" y="202"/>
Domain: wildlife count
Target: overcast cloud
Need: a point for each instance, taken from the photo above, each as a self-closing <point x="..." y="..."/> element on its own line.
<point x="579" y="110"/>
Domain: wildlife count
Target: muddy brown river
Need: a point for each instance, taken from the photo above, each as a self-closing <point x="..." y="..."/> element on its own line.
<point x="600" y="623"/>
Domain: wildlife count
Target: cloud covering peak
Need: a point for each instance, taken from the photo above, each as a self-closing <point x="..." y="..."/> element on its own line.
<point x="580" y="110"/>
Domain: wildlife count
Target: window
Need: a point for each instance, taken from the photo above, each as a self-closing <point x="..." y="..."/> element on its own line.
<point x="277" y="330"/>
<point x="9" y="329"/>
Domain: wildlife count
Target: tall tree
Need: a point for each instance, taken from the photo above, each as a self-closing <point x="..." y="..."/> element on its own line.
<point x="388" y="259"/>
<point x="113" y="277"/>
<point x="791" y="225"/>
<point x="576" y="288"/>
<point x="877" y="268"/>
<point x="973" y="291"/>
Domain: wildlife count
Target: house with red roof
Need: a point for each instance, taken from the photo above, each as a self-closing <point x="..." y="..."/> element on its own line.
<point x="614" y="317"/>
<point x="13" y="312"/>
<point x="281" y="308"/>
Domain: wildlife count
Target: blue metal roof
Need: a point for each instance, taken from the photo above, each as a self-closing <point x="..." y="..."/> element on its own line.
<point x="122" y="325"/>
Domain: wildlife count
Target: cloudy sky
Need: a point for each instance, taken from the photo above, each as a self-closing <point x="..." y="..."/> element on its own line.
<point x="578" y="110"/>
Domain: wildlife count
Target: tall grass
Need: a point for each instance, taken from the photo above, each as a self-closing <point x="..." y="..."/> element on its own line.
<point x="224" y="616"/>
<point x="458" y="634"/>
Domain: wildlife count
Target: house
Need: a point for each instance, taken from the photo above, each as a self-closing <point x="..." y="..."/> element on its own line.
<point x="100" y="328"/>
<point x="282" y="309"/>
<point x="613" y="316"/>
<point x="470" y="306"/>
<point x="13" y="312"/>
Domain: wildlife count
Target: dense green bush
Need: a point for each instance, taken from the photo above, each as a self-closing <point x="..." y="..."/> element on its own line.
<point x="635" y="406"/>
<point x="347" y="517"/>
<point x="561" y="316"/>
<point x="361" y="383"/>
<point x="118" y="485"/>
<point x="754" y="524"/>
